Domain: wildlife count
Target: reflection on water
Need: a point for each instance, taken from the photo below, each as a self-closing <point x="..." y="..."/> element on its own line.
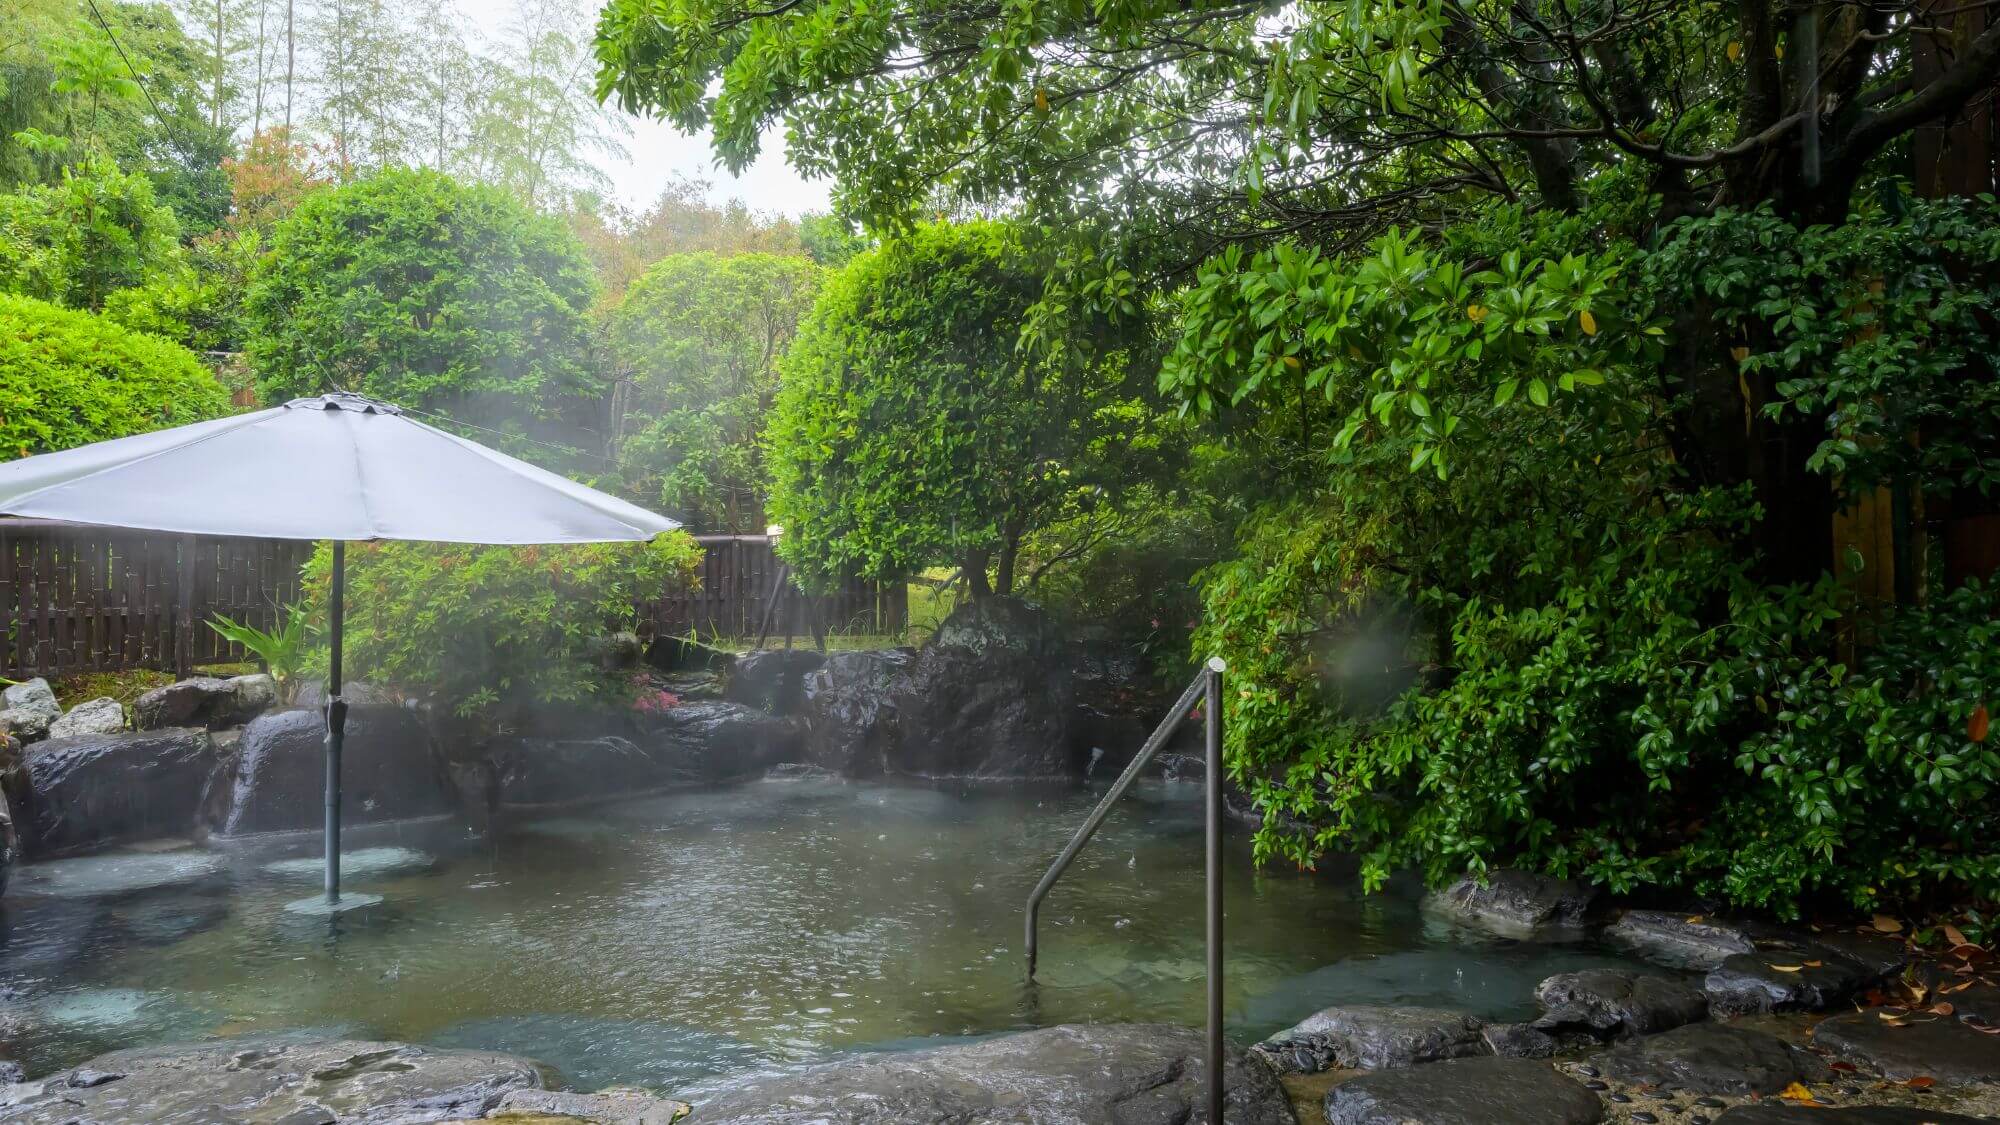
<point x="671" y="939"/>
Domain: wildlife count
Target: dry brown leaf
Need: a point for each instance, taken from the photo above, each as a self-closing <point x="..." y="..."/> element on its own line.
<point x="1814" y="964"/>
<point x="1943" y="1008"/>
<point x="1887" y="925"/>
<point x="1694" y="919"/>
<point x="1788" y="968"/>
<point x="1976" y="724"/>
<point x="1921" y="1082"/>
<point x="1952" y="935"/>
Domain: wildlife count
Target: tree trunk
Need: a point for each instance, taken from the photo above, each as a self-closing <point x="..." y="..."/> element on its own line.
<point x="976" y="581"/>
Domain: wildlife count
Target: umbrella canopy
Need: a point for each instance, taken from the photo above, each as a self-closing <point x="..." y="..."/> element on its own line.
<point x="338" y="467"/>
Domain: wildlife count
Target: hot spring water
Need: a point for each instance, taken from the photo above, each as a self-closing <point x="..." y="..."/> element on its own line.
<point x="671" y="940"/>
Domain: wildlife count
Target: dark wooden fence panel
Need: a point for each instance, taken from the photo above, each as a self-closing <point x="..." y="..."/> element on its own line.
<point x="95" y="599"/>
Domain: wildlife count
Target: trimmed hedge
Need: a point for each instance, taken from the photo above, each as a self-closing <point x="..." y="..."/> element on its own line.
<point x="70" y="378"/>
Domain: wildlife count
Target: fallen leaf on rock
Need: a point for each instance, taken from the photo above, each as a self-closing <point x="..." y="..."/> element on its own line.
<point x="1943" y="1008"/>
<point x="1846" y="1067"/>
<point x="1921" y="1082"/>
<point x="1814" y="964"/>
<point x="1796" y="1092"/>
<point x="1952" y="935"/>
<point x="1788" y="968"/>
<point x="1887" y="925"/>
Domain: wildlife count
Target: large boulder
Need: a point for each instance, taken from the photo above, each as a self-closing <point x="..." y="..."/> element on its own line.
<point x="206" y="701"/>
<point x="278" y="784"/>
<point x="108" y="788"/>
<point x="27" y="709"/>
<point x="103" y="715"/>
<point x="718" y="740"/>
<point x="1517" y="904"/>
<point x="1464" y="1092"/>
<point x="850" y="706"/>
<point x="608" y="1107"/>
<point x="1364" y="1037"/>
<point x="1711" y="1058"/>
<point x="1111" y="1074"/>
<point x="988" y="698"/>
<point x="560" y="771"/>
<point x="1608" y="1003"/>
<point x="278" y="1081"/>
<point x="772" y="680"/>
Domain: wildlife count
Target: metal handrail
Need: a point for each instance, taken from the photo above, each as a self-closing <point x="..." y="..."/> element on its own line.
<point x="1208" y="683"/>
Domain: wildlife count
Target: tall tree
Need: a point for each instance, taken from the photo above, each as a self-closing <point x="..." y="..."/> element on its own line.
<point x="542" y="130"/>
<point x="1177" y="131"/>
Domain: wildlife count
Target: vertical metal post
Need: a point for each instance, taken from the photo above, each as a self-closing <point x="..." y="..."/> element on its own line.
<point x="336" y="720"/>
<point x="1212" y="720"/>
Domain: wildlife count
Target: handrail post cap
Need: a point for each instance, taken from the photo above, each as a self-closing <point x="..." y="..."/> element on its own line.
<point x="1215" y="664"/>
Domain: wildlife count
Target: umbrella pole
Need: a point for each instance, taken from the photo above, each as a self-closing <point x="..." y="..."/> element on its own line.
<point x="336" y="722"/>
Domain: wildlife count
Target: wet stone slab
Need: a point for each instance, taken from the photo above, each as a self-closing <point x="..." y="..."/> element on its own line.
<point x="277" y="1081"/>
<point x="1906" y="1046"/>
<point x="1711" y="1058"/>
<point x="1107" y="1074"/>
<point x="1803" y="980"/>
<point x="1373" y="1038"/>
<point x="1852" y="1115"/>
<point x="1484" y="1091"/>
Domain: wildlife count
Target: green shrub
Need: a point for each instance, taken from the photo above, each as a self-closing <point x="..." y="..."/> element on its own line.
<point x="433" y="294"/>
<point x="489" y="634"/>
<point x="69" y="378"/>
<point x="77" y="241"/>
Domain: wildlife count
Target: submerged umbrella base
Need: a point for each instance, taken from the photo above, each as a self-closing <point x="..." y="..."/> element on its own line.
<point x="319" y="906"/>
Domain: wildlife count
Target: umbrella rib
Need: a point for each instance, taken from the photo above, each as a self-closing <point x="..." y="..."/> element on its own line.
<point x="360" y="473"/>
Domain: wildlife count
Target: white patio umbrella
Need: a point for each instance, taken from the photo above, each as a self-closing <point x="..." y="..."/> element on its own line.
<point x="339" y="467"/>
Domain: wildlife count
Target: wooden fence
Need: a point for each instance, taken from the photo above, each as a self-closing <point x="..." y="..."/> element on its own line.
<point x="94" y="599"/>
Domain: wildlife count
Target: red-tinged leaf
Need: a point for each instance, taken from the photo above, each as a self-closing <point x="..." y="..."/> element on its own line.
<point x="1843" y="1067"/>
<point x="1977" y="724"/>
<point x="1943" y="1008"/>
<point x="1814" y="964"/>
<point x="1921" y="1082"/>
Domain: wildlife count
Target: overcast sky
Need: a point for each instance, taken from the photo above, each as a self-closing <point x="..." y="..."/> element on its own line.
<point x="657" y="153"/>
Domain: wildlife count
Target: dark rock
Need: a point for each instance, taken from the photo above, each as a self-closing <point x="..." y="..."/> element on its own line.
<point x="851" y="711"/>
<point x="1114" y="1074"/>
<point x="1464" y="1092"/>
<point x="1784" y="980"/>
<point x="1611" y="1003"/>
<point x="104" y="789"/>
<point x="987" y="698"/>
<point x="1372" y="1038"/>
<point x="103" y="715"/>
<point x="559" y="771"/>
<point x="1711" y="1058"/>
<point x="1518" y="1040"/>
<point x="611" y="1107"/>
<point x="311" y="695"/>
<point x="1879" y="955"/>
<point x="27" y="709"/>
<point x="718" y="741"/>
<point x="1678" y="939"/>
<point x="1119" y="702"/>
<point x="205" y="701"/>
<point x="387" y="772"/>
<point x="616" y="651"/>
<point x="772" y="680"/>
<point x="1980" y="1004"/>
<point x="12" y="1072"/>
<point x="1770" y="1113"/>
<point x="1517" y="904"/>
<point x="1937" y="1046"/>
<point x="477" y="785"/>
<point x="276" y="1079"/>
<point x="691" y="686"/>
